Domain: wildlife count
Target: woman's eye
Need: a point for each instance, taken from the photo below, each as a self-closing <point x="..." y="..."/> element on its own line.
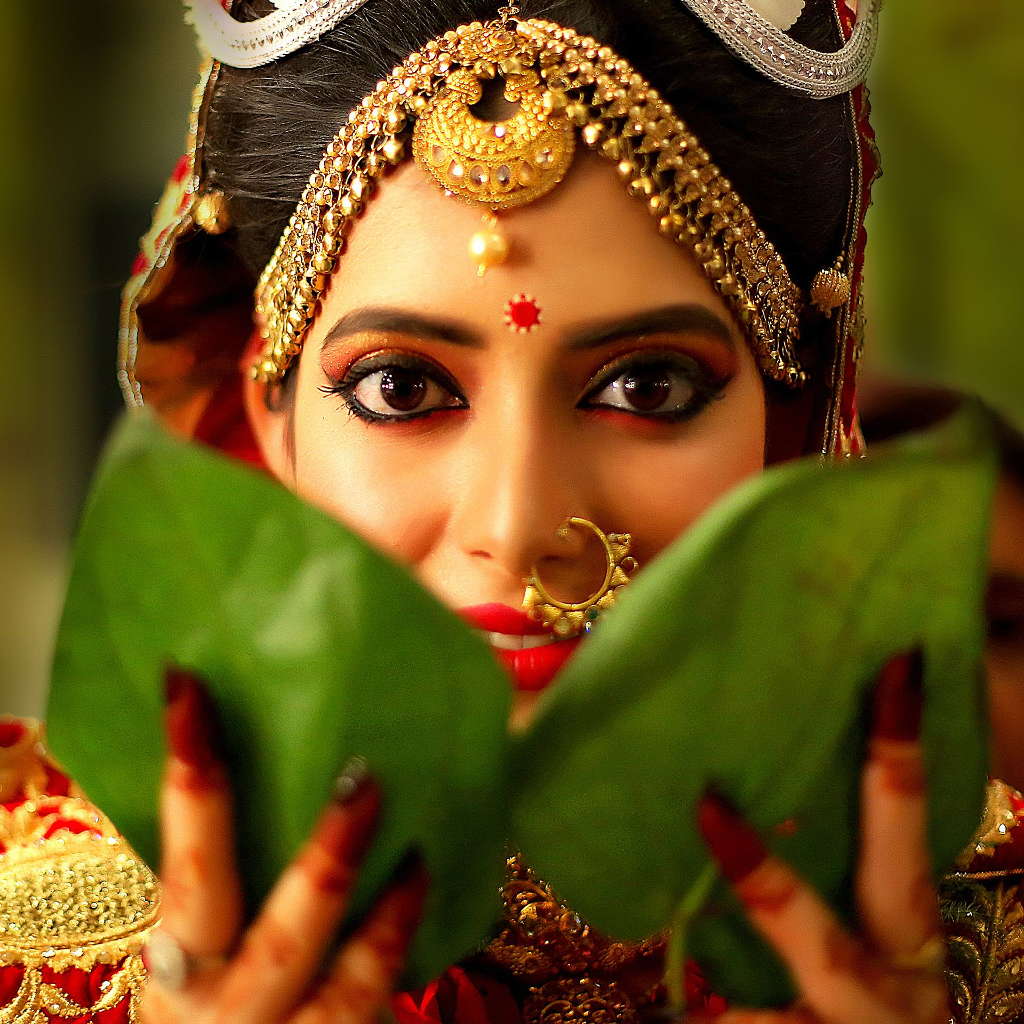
<point x="660" y="390"/>
<point x="396" y="392"/>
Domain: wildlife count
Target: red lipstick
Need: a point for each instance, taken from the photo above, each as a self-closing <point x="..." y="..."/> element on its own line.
<point x="535" y="669"/>
<point x="532" y="668"/>
<point x="500" y="618"/>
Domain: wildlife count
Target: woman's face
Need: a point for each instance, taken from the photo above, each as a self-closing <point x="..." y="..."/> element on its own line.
<point x="459" y="446"/>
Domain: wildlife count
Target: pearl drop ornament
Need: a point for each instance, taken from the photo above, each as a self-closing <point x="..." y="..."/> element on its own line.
<point x="488" y="248"/>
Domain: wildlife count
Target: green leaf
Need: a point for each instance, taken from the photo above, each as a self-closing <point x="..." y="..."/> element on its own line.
<point x="316" y="649"/>
<point x="743" y="658"/>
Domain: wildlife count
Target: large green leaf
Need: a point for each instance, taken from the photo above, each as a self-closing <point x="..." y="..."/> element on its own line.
<point x="741" y="657"/>
<point x="316" y="649"/>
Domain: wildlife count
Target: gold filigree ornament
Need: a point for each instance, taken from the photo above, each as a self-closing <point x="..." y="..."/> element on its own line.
<point x="830" y="289"/>
<point x="984" y="921"/>
<point x="571" y="972"/>
<point x="213" y="213"/>
<point x="569" y="619"/>
<point x="996" y="828"/>
<point x="499" y="164"/>
<point x="564" y="88"/>
<point x="73" y="894"/>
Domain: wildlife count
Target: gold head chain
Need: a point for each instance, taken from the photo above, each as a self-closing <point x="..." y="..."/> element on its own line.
<point x="563" y="87"/>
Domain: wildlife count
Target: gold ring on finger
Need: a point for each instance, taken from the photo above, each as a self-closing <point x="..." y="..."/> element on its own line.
<point x="170" y="966"/>
<point x="929" y="959"/>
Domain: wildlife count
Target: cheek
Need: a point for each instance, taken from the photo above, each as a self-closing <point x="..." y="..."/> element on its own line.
<point x="661" y="489"/>
<point x="386" y="489"/>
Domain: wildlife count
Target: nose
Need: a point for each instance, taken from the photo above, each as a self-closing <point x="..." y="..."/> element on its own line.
<point x="523" y="483"/>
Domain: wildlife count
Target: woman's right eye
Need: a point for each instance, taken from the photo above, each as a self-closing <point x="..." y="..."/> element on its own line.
<point x="392" y="391"/>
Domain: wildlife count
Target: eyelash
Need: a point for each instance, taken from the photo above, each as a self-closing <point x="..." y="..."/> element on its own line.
<point x="345" y="388"/>
<point x="706" y="387"/>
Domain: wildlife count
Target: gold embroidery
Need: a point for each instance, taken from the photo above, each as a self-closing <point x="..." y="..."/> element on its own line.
<point x="70" y="898"/>
<point x="996" y="825"/>
<point x="985" y="941"/>
<point x="572" y="972"/>
<point x="73" y="894"/>
<point x="38" y="1003"/>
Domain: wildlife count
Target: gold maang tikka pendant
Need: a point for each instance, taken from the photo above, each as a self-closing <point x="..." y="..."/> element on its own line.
<point x="497" y="164"/>
<point x="571" y="619"/>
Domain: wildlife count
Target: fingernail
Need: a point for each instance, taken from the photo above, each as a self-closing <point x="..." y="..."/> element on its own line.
<point x="191" y="723"/>
<point x="352" y="781"/>
<point x="735" y="844"/>
<point x="410" y="867"/>
<point x="412" y="881"/>
<point x="348" y="825"/>
<point x="899" y="699"/>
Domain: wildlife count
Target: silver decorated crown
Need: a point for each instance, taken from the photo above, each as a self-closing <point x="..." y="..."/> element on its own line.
<point x="755" y="32"/>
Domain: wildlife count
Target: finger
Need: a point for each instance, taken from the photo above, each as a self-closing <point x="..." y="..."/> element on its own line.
<point x="202" y="902"/>
<point x="794" y="1016"/>
<point x="282" y="951"/>
<point x="896" y="898"/>
<point x="366" y="970"/>
<point x="830" y="968"/>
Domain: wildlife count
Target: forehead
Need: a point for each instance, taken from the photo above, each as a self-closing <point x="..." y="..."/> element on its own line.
<point x="588" y="250"/>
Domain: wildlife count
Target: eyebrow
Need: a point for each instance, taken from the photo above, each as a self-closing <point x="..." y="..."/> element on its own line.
<point x="379" y="318"/>
<point x="665" y="320"/>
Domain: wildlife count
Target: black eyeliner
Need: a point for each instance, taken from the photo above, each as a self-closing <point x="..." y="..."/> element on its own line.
<point x="367" y="366"/>
<point x="706" y="387"/>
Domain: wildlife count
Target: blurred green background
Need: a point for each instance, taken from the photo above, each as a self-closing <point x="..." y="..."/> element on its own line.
<point x="93" y="101"/>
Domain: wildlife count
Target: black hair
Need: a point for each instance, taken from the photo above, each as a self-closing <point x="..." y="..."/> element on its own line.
<point x="791" y="158"/>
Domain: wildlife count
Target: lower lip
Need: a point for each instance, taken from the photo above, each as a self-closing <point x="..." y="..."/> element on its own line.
<point x="534" y="669"/>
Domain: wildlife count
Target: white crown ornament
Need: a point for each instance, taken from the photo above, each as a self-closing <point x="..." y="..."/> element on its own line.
<point x="294" y="24"/>
<point x="755" y="30"/>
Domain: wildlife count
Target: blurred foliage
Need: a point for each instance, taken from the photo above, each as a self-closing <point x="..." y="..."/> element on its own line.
<point x="317" y="648"/>
<point x="945" y="259"/>
<point x="92" y="117"/>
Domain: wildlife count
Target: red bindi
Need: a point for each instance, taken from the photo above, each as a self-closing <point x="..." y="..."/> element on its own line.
<point x="522" y="314"/>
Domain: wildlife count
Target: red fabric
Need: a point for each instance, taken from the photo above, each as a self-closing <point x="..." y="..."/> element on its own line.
<point x="12" y="732"/>
<point x="82" y="987"/>
<point x="57" y="783"/>
<point x="869" y="159"/>
<point x="225" y="425"/>
<point x="458" y="997"/>
<point x="65" y="825"/>
<point x="182" y="169"/>
<point x="10" y="982"/>
<point x="141" y="264"/>
<point x="698" y="992"/>
<point x="468" y="997"/>
<point x="120" y="1014"/>
<point x="847" y="18"/>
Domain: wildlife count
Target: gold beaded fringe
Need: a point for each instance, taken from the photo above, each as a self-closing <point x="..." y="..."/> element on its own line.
<point x="618" y="115"/>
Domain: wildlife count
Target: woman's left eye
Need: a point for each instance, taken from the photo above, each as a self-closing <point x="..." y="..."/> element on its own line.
<point x="668" y="389"/>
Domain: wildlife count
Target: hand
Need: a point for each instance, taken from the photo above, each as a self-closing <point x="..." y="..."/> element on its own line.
<point x="890" y="973"/>
<point x="270" y="973"/>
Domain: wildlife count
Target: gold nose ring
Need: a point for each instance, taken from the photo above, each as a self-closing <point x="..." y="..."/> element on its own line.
<point x="569" y="619"/>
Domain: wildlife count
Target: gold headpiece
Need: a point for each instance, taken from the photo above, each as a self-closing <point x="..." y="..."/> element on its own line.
<point x="562" y="83"/>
